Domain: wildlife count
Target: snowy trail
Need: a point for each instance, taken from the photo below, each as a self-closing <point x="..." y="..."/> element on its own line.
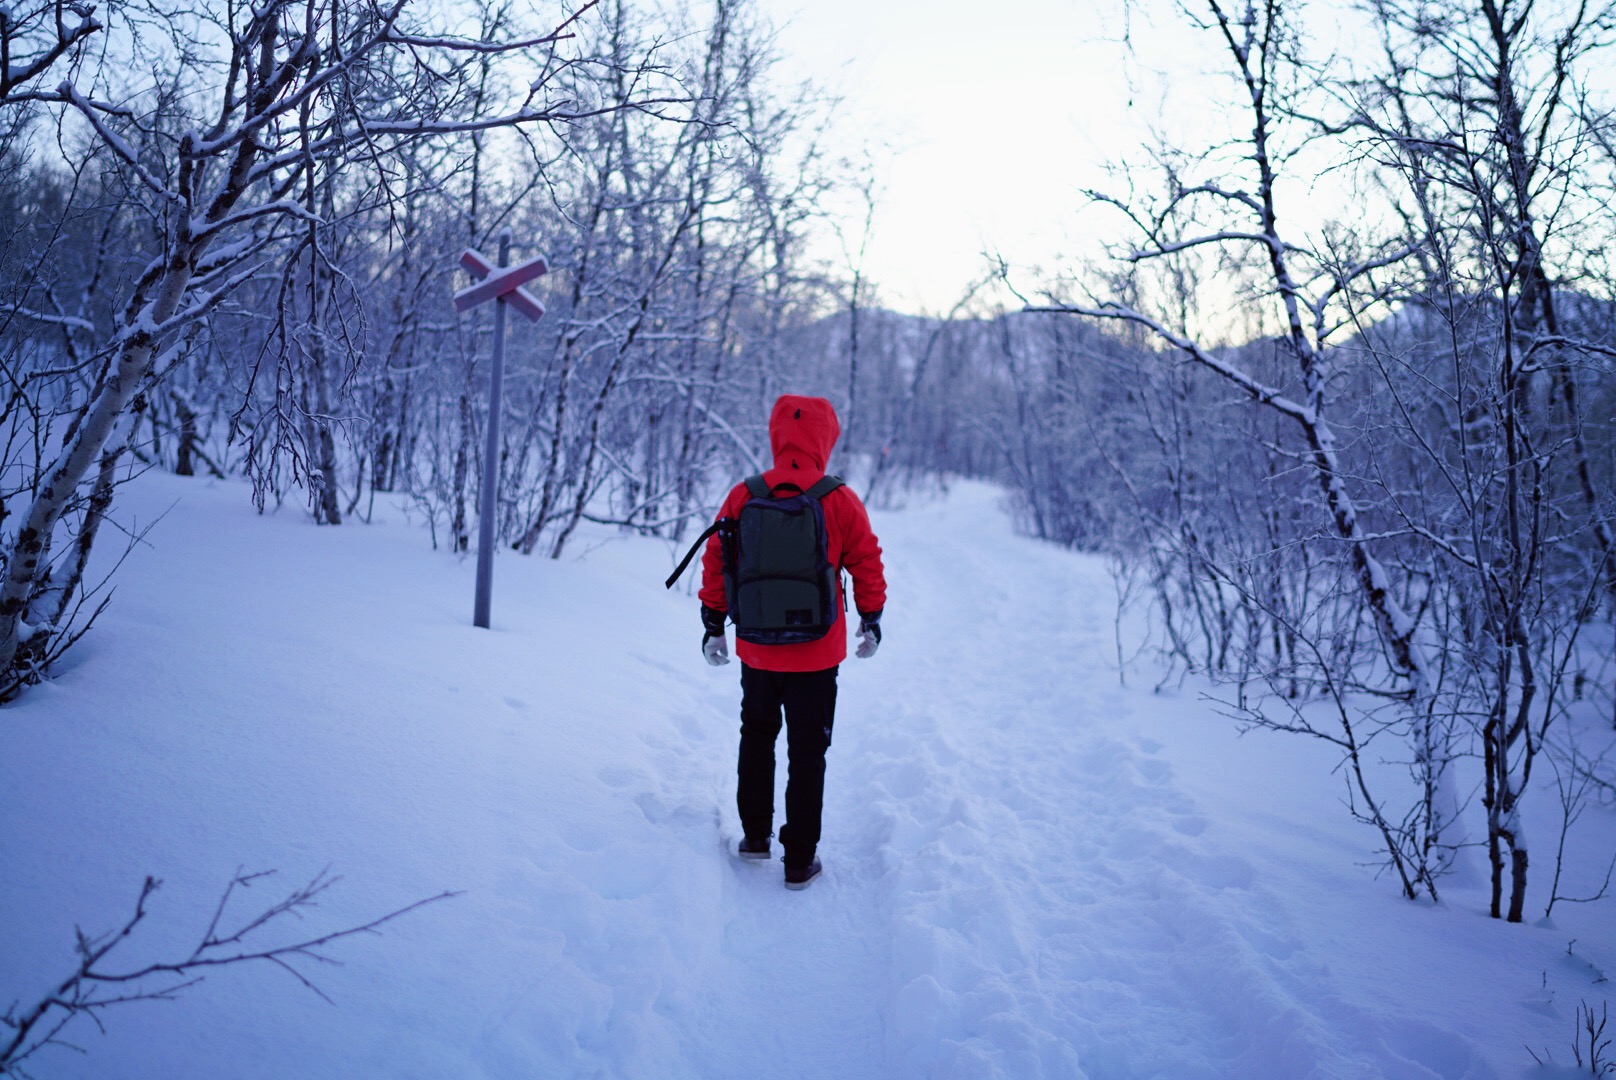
<point x="1016" y="888"/>
<point x="1037" y="851"/>
<point x="1020" y="880"/>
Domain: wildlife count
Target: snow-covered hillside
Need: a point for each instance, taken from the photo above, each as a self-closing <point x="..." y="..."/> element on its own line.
<point x="1032" y="869"/>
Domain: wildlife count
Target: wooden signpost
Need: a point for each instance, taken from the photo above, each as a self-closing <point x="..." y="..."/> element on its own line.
<point x="503" y="285"/>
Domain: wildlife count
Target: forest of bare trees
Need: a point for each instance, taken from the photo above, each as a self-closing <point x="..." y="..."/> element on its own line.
<point x="1369" y="458"/>
<point x="230" y="234"/>
<point x="1357" y="464"/>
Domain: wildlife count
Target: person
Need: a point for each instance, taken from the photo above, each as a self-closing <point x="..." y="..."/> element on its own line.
<point x="799" y="678"/>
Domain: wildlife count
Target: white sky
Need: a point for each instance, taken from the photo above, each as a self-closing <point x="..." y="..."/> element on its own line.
<point x="998" y="116"/>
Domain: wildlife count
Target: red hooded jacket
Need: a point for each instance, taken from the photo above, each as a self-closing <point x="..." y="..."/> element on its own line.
<point x="802" y="431"/>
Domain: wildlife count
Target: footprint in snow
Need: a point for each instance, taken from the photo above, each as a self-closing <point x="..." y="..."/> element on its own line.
<point x="1190" y="824"/>
<point x="1154" y="770"/>
<point x="621" y="776"/>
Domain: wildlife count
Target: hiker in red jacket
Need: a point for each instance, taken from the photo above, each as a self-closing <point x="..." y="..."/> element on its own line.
<point x="799" y="677"/>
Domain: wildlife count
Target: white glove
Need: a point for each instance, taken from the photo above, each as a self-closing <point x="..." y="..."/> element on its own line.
<point x="715" y="650"/>
<point x="869" y="639"/>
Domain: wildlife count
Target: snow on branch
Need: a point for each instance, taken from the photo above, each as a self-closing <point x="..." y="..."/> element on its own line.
<point x="1344" y="279"/>
<point x="66" y="39"/>
<point x="207" y="299"/>
<point x="1575" y="344"/>
<point x="743" y="446"/>
<point x="275" y="83"/>
<point x="86" y="990"/>
<point x="282" y="207"/>
<point x="386" y="33"/>
<point x="1268" y="240"/>
<point x="1244" y="198"/>
<point x="458" y="44"/>
<point x="93" y="113"/>
<point x="424" y="126"/>
<point x="71" y="322"/>
<point x="1256" y="389"/>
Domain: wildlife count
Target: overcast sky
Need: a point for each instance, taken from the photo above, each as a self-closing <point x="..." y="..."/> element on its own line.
<point x="997" y="116"/>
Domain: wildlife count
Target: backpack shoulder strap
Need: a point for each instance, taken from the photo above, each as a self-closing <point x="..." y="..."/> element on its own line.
<point x="722" y="525"/>
<point x="824" y="486"/>
<point x="758" y="487"/>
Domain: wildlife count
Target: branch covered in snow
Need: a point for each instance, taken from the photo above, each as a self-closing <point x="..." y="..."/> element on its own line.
<point x="87" y="990"/>
<point x="1257" y="390"/>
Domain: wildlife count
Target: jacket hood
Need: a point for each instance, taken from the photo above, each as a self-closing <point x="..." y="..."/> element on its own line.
<point x="802" y="431"/>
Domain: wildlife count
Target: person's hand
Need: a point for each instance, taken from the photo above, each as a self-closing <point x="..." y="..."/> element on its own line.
<point x="869" y="635"/>
<point x="713" y="647"/>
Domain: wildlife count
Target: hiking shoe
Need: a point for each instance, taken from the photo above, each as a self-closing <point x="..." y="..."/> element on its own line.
<point x="798" y="877"/>
<point x="753" y="849"/>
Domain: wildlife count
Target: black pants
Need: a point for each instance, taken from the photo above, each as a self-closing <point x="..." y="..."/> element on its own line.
<point x="809" y="701"/>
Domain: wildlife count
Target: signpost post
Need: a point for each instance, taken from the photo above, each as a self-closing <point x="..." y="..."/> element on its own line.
<point x="503" y="285"/>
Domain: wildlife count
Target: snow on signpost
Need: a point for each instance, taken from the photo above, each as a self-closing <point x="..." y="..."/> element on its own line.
<point x="502" y="284"/>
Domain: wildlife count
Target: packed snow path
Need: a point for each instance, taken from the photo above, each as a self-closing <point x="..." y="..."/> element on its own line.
<point x="1022" y="877"/>
<point x="1015" y="888"/>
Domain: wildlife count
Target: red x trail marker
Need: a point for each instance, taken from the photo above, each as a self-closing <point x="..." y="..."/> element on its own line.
<point x="502" y="284"/>
<point x="506" y="284"/>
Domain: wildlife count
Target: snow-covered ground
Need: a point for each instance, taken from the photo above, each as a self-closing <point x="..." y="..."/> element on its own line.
<point x="1032" y="869"/>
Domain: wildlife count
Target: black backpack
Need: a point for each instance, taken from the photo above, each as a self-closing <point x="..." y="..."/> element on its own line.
<point x="778" y="579"/>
